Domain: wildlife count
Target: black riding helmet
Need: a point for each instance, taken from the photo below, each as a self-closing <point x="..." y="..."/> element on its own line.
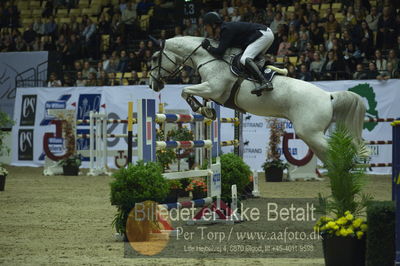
<point x="212" y="18"/>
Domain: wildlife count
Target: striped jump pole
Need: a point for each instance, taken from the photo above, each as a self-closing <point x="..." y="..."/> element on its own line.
<point x="130" y="125"/>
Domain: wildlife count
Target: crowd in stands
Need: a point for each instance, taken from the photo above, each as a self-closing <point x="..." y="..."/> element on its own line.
<point x="314" y="39"/>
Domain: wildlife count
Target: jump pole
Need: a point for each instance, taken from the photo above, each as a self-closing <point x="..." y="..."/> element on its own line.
<point x="130" y="135"/>
<point x="396" y="182"/>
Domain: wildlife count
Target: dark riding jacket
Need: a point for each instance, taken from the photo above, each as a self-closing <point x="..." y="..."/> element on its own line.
<point x="236" y="34"/>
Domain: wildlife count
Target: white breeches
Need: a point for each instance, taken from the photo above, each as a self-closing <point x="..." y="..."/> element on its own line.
<point x="259" y="46"/>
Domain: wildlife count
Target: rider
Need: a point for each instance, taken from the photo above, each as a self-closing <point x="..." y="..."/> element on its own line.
<point x="254" y="38"/>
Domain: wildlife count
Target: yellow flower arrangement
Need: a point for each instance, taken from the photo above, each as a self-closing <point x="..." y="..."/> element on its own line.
<point x="345" y="226"/>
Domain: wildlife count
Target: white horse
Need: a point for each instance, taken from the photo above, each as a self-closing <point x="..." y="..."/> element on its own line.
<point x="309" y="108"/>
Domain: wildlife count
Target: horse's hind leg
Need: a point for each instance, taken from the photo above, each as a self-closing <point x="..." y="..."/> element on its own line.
<point x="317" y="143"/>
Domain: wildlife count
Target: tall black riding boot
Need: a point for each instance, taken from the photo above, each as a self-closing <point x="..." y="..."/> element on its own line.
<point x="255" y="71"/>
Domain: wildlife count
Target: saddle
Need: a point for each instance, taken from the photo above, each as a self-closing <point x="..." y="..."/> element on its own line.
<point x="240" y="71"/>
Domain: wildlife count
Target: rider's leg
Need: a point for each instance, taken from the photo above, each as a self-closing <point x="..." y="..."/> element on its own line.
<point x="259" y="46"/>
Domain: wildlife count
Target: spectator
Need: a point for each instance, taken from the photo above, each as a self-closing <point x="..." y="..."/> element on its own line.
<point x="133" y="62"/>
<point x="80" y="81"/>
<point x="360" y="73"/>
<point x="291" y="71"/>
<point x="87" y="69"/>
<point x="129" y="16"/>
<point x="64" y="29"/>
<point x="102" y="79"/>
<point x="144" y="80"/>
<point x="316" y="33"/>
<point x="366" y="36"/>
<point x="38" y="27"/>
<point x="112" y="80"/>
<point x="393" y="59"/>
<point x="304" y="73"/>
<point x="352" y="56"/>
<point x="278" y="20"/>
<point x="332" y="26"/>
<point x="68" y="82"/>
<point x="184" y="78"/>
<point x="386" y="36"/>
<point x="143" y="7"/>
<point x="235" y="15"/>
<point x="123" y="62"/>
<point x="330" y="66"/>
<point x="372" y="19"/>
<point x="134" y="79"/>
<point x="47" y="44"/>
<point x="104" y="25"/>
<point x="380" y="62"/>
<point x="372" y="72"/>
<point x="74" y="50"/>
<point x="316" y="65"/>
<point x="190" y="28"/>
<point x="390" y="73"/>
<point x="92" y="80"/>
<point x="50" y="27"/>
<point x="284" y="47"/>
<point x="29" y="37"/>
<point x="54" y="81"/>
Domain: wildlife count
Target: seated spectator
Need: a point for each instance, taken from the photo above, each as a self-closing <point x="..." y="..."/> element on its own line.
<point x="38" y="27"/>
<point x="390" y="73"/>
<point x="123" y="62"/>
<point x="54" y="81"/>
<point x="360" y="73"/>
<point x="278" y="20"/>
<point x="284" y="47"/>
<point x="112" y="80"/>
<point x="102" y="80"/>
<point x="133" y="62"/>
<point x="87" y="69"/>
<point x="367" y="40"/>
<point x="331" y="66"/>
<point x="393" y="59"/>
<point x="129" y="16"/>
<point x="68" y="82"/>
<point x="372" y="72"/>
<point x="304" y="73"/>
<point x="144" y="80"/>
<point x="80" y="81"/>
<point x="134" y="79"/>
<point x="332" y="26"/>
<point x="316" y="34"/>
<point x="291" y="71"/>
<point x="316" y="65"/>
<point x="50" y="27"/>
<point x="112" y="66"/>
<point x="380" y="62"/>
<point x="386" y="35"/>
<point x="92" y="80"/>
<point x="352" y="56"/>
<point x="235" y="15"/>
<point x="184" y="78"/>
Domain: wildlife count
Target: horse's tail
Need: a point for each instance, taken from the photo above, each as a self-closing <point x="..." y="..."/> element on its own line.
<point x="349" y="109"/>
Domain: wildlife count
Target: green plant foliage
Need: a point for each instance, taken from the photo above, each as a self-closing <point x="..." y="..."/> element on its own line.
<point x="233" y="171"/>
<point x="346" y="175"/>
<point x="381" y="233"/>
<point x="136" y="183"/>
<point x="5" y="121"/>
<point x="74" y="160"/>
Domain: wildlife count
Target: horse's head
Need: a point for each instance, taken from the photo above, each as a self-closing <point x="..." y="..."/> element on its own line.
<point x="163" y="67"/>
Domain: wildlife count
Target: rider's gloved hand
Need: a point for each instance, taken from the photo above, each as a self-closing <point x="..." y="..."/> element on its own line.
<point x="205" y="44"/>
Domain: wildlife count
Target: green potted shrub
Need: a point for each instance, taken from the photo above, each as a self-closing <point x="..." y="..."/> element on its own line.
<point x="343" y="228"/>
<point x="234" y="171"/>
<point x="71" y="165"/>
<point x="3" y="175"/>
<point x="167" y="156"/>
<point x="273" y="167"/>
<point x="136" y="183"/>
<point x="174" y="188"/>
<point x="5" y="121"/>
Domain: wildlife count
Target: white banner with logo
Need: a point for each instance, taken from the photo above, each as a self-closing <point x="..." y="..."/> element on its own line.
<point x="33" y="121"/>
<point x="19" y="66"/>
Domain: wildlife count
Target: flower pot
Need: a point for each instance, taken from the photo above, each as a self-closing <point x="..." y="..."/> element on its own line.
<point x="196" y="194"/>
<point x="172" y="196"/>
<point x="70" y="169"/>
<point x="344" y="251"/>
<point x="2" y="182"/>
<point x="273" y="174"/>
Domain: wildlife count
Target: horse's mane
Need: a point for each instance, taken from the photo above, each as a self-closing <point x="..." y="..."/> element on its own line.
<point x="194" y="41"/>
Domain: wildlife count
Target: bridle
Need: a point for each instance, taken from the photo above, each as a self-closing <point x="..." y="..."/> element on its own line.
<point x="176" y="71"/>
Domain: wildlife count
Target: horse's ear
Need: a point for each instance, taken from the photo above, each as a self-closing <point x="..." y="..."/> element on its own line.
<point x="156" y="42"/>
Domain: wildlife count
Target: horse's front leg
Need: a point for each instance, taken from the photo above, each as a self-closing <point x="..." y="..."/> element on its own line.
<point x="202" y="90"/>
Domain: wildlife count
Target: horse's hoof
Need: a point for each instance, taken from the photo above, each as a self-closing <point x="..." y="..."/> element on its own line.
<point x="209" y="113"/>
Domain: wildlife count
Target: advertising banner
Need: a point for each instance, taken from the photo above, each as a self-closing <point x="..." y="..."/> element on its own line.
<point x="11" y="71"/>
<point x="33" y="120"/>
